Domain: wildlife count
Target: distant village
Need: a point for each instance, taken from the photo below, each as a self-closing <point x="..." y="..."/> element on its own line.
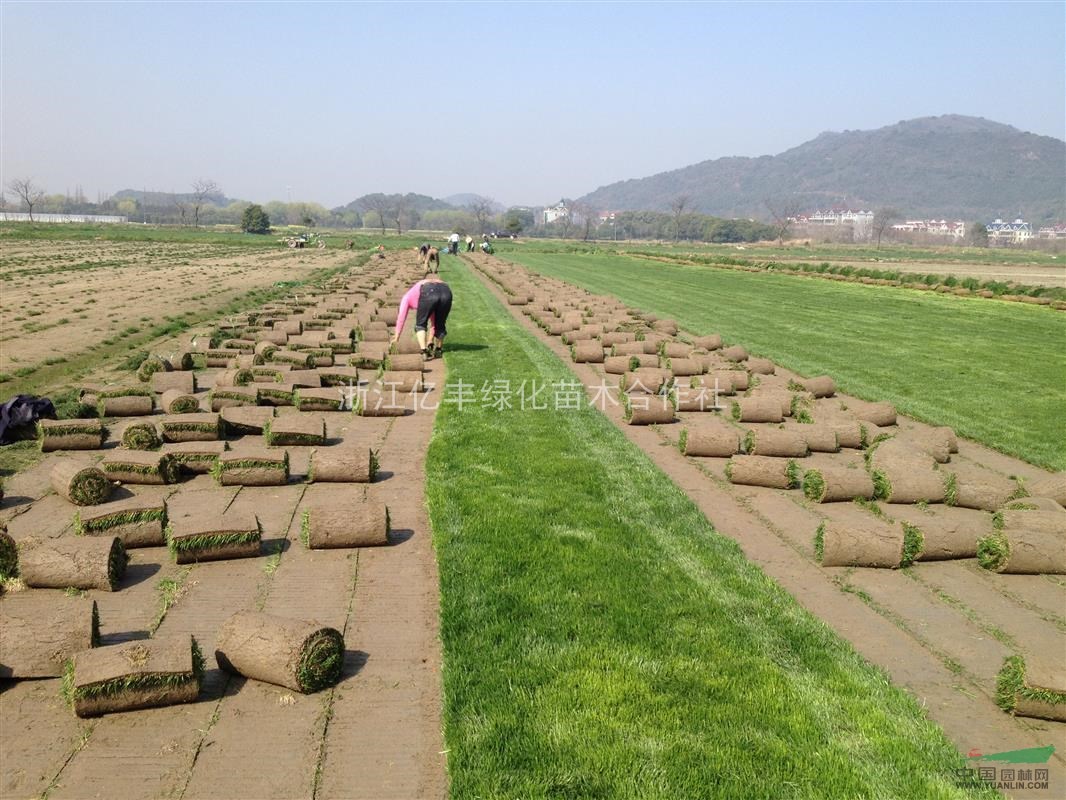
<point x="861" y="226"/>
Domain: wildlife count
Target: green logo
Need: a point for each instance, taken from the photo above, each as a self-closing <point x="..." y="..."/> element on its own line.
<point x="1030" y="755"/>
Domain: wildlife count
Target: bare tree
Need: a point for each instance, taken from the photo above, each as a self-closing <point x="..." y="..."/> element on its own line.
<point x="783" y="213"/>
<point x="481" y="208"/>
<point x="202" y="188"/>
<point x="677" y="205"/>
<point x="883" y="218"/>
<point x="399" y="211"/>
<point x="566" y="219"/>
<point x="381" y="205"/>
<point x="587" y="215"/>
<point x="28" y="192"/>
<point x="182" y="205"/>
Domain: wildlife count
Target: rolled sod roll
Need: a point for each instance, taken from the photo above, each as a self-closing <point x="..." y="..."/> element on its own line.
<point x="757" y="409"/>
<point x="641" y="360"/>
<point x="228" y="396"/>
<point x="241" y="345"/>
<point x="353" y="522"/>
<point x="646" y="380"/>
<point x="945" y="434"/>
<point x="295" y="430"/>
<point x="881" y="414"/>
<point x="275" y="373"/>
<point x="644" y="410"/>
<point x="375" y="335"/>
<point x="41" y="631"/>
<point x="760" y="366"/>
<point x="344" y="463"/>
<point x="214" y="537"/>
<point x="9" y="555"/>
<point x="274" y="394"/>
<point x="195" y="457"/>
<point x="305" y="378"/>
<point x="140" y="467"/>
<point x="612" y="338"/>
<point x="820" y="438"/>
<point x="718" y="381"/>
<point x="587" y="352"/>
<point x="70" y="434"/>
<point x="1028" y="688"/>
<point x="741" y="379"/>
<point x="406" y="346"/>
<point x="184" y="382"/>
<point x="1053" y="486"/>
<point x="147" y="673"/>
<point x="631" y="348"/>
<point x="684" y="367"/>
<point x="775" y="473"/>
<point x="819" y="386"/>
<point x="149" y="367"/>
<point x="234" y="377"/>
<point x="378" y="403"/>
<point x="246" y="362"/>
<point x="369" y="355"/>
<point x="898" y="479"/>
<point x="694" y="399"/>
<point x="81" y="482"/>
<point x="258" y="467"/>
<point x="291" y="327"/>
<point x="849" y="434"/>
<point x="1033" y="519"/>
<point x="672" y="350"/>
<point x="271" y="340"/>
<point x="331" y="399"/>
<point x="72" y="562"/>
<point x="710" y="442"/>
<point x="298" y="358"/>
<point x="710" y="342"/>
<point x="667" y="326"/>
<point x="247" y="419"/>
<point x="135" y="521"/>
<point x="1030" y="504"/>
<point x="1023" y="552"/>
<point x="735" y="353"/>
<point x="863" y="543"/>
<point x="298" y="654"/>
<point x="265" y="348"/>
<point x="141" y="436"/>
<point x="405" y="362"/>
<point x="135" y="402"/>
<point x="652" y="342"/>
<point x="200" y="427"/>
<point x="181" y="361"/>
<point x="616" y="365"/>
<point x="393" y="381"/>
<point x="219" y="358"/>
<point x="950" y="536"/>
<point x="579" y="335"/>
<point x="834" y="484"/>
<point x="342" y="376"/>
<point x="175" y="401"/>
<point x="775" y="442"/>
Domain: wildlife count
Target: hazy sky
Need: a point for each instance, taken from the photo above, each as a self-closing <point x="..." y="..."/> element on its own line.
<point x="521" y="102"/>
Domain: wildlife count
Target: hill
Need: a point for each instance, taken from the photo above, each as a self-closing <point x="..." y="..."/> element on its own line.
<point x="948" y="166"/>
<point x="413" y="202"/>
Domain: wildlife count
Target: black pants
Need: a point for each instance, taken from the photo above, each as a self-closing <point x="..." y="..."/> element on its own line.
<point x="434" y="301"/>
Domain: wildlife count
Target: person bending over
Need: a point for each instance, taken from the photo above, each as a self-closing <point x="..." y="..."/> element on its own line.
<point x="431" y="300"/>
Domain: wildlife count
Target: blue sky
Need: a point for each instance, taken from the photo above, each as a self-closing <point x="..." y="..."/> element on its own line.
<point x="521" y="102"/>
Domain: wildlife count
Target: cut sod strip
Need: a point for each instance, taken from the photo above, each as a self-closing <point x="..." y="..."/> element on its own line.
<point x="987" y="495"/>
<point x="1053" y="486"/>
<point x="296" y="430"/>
<point x="775" y="473"/>
<point x="1026" y="688"/>
<point x="70" y="434"/>
<point x="378" y="403"/>
<point x="411" y="362"/>
<point x="717" y="441"/>
<point x="9" y="555"/>
<point x="135" y="401"/>
<point x="141" y="436"/>
<point x="402" y="382"/>
<point x="369" y="355"/>
<point x="331" y="399"/>
<point x="1020" y="551"/>
<point x="137" y="521"/>
<point x="175" y="401"/>
<point x="344" y="522"/>
<point x="298" y="654"/>
<point x="862" y="542"/>
<point x="904" y="475"/>
<point x="345" y="463"/>
<point x="228" y="396"/>
<point x="304" y="378"/>
<point x="820" y="438"/>
<point x="41" y="631"/>
<point x="246" y="419"/>
<point x="200" y="427"/>
<point x="834" y="484"/>
<point x="952" y="533"/>
<point x="197" y="458"/>
<point x="757" y="409"/>
<point x="296" y="358"/>
<point x="214" y="537"/>
<point x="184" y="382"/>
<point x="258" y="467"/>
<point x="339" y="376"/>
<point x="585" y="671"/>
<point x="82" y="483"/>
<point x="140" y="467"/>
<point x="775" y="442"/>
<point x="881" y="414"/>
<point x="146" y="673"/>
<point x="73" y="562"/>
<point x="647" y="410"/>
<point x="694" y="398"/>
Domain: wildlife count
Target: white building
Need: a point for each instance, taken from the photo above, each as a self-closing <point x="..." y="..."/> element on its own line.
<point x="933" y="227"/>
<point x="840" y="217"/>
<point x="558" y="211"/>
<point x="1016" y="232"/>
<point x="1052" y="232"/>
<point x="22" y="216"/>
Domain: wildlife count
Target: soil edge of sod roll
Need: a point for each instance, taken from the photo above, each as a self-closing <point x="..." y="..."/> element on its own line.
<point x="1015" y="696"/>
<point x="81" y="483"/>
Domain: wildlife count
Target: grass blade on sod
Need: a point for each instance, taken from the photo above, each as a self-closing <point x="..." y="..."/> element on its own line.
<point x="600" y="639"/>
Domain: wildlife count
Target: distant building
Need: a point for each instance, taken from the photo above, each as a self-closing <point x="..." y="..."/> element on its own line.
<point x="21" y="216"/>
<point x="933" y="227"/>
<point x="1052" y="232"/>
<point x="558" y="211"/>
<point x="838" y="216"/>
<point x="1017" y="232"/>
<point x="607" y="216"/>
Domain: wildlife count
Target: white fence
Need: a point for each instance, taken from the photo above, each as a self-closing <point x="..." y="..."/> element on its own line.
<point x="18" y="216"/>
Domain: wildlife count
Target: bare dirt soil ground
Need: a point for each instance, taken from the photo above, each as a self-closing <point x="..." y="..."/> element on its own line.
<point x="376" y="734"/>
<point x="59" y="298"/>
<point x="940" y="629"/>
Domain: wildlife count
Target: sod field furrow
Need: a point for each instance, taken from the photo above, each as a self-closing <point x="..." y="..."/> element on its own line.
<point x="996" y="372"/>
<point x="602" y="640"/>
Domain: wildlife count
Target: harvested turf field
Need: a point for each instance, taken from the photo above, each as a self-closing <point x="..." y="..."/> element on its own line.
<point x="993" y="371"/>
<point x="634" y="652"/>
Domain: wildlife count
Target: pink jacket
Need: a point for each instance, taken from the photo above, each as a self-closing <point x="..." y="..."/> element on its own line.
<point x="408" y="303"/>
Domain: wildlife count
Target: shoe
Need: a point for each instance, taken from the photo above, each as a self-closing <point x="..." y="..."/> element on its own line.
<point x="427" y="354"/>
<point x="439" y="353"/>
